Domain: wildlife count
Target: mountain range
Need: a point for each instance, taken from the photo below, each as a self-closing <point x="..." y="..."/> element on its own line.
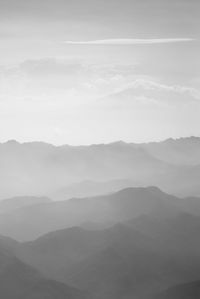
<point x="107" y="221"/>
<point x="27" y="222"/>
<point x="20" y="281"/>
<point x="134" y="243"/>
<point x="137" y="258"/>
<point x="183" y="291"/>
<point x="41" y="169"/>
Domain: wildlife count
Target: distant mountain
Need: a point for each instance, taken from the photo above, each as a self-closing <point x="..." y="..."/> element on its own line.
<point x="98" y="262"/>
<point x="38" y="168"/>
<point x="119" y="262"/>
<point x="176" y="234"/>
<point x="13" y="203"/>
<point x="92" y="188"/>
<point x="156" y="245"/>
<point x="28" y="222"/>
<point x="182" y="151"/>
<point x="9" y="244"/>
<point x="183" y="291"/>
<point x="20" y="281"/>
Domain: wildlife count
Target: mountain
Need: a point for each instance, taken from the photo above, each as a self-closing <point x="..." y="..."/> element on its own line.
<point x="20" y="281"/>
<point x="73" y="245"/>
<point x="118" y="262"/>
<point x="38" y="168"/>
<point x="13" y="203"/>
<point x="28" y="222"/>
<point x="176" y="234"/>
<point x="9" y="244"/>
<point x="96" y="261"/>
<point x="140" y="257"/>
<point x="183" y="291"/>
<point x="182" y="151"/>
<point x="92" y="188"/>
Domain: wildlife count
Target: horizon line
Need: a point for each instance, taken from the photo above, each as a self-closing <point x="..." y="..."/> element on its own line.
<point x="14" y="141"/>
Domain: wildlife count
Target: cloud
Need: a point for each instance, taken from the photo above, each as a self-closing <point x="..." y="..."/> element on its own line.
<point x="147" y="91"/>
<point x="153" y="85"/>
<point x="130" y="41"/>
<point x="63" y="78"/>
<point x="71" y="83"/>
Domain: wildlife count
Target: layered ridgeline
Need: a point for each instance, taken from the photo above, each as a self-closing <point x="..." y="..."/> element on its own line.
<point x="13" y="203"/>
<point x="119" y="262"/>
<point x="155" y="247"/>
<point x="20" y="281"/>
<point x="134" y="243"/>
<point x="182" y="291"/>
<point x="42" y="169"/>
<point x="29" y="221"/>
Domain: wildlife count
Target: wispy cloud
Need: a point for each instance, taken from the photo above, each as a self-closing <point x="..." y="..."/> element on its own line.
<point x="147" y="91"/>
<point x="130" y="41"/>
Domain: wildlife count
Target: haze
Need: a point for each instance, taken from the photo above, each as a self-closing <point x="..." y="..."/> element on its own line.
<point x="82" y="72"/>
<point x="99" y="149"/>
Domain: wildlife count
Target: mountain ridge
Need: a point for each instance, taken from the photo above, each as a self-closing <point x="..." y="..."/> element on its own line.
<point x="117" y="142"/>
<point x="38" y="168"/>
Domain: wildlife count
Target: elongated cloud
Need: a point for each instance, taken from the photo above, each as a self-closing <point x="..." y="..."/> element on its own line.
<point x="130" y="41"/>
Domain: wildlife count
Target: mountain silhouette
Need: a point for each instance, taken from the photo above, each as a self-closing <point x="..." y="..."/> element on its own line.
<point x="182" y="291"/>
<point x="20" y="281"/>
<point x="39" y="169"/>
<point x="28" y="222"/>
<point x="13" y="203"/>
<point x="119" y="262"/>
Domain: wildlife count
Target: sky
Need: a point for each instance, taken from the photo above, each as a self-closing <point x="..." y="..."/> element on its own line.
<point x="98" y="71"/>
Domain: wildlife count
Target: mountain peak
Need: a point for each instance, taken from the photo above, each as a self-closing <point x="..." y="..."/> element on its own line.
<point x="12" y="142"/>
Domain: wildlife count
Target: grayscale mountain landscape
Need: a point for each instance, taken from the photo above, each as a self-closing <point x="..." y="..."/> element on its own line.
<point x="63" y="172"/>
<point x="99" y="149"/>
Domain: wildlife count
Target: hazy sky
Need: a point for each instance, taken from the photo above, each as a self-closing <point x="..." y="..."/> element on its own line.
<point x="92" y="71"/>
